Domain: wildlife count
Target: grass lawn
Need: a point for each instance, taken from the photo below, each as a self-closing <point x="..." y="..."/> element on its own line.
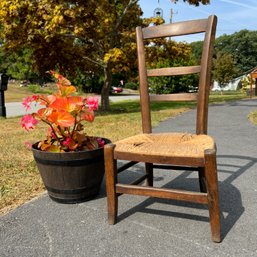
<point x="15" y="93"/>
<point x="19" y="178"/>
<point x="253" y="117"/>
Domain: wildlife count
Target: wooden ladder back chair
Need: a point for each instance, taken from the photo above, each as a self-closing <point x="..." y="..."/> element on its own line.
<point x="177" y="151"/>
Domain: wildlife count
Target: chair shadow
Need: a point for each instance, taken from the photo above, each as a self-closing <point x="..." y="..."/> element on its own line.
<point x="230" y="197"/>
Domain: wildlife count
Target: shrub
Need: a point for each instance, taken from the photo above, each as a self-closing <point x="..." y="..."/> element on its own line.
<point x="37" y="89"/>
<point x="131" y="85"/>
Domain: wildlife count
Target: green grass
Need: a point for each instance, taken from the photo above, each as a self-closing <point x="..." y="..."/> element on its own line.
<point x="217" y="97"/>
<point x="253" y="117"/>
<point x="19" y="178"/>
<point x="15" y="93"/>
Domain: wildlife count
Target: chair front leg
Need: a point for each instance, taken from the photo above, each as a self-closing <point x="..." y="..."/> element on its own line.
<point x="212" y="193"/>
<point x="111" y="180"/>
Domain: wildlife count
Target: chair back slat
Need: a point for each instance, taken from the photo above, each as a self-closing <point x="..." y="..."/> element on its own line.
<point x="207" y="26"/>
<point x="173" y="71"/>
<point x="175" y="29"/>
<point x="174" y="97"/>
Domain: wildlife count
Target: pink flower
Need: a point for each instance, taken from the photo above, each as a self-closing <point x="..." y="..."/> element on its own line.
<point x="92" y="102"/>
<point x="26" y="103"/>
<point x="100" y="142"/>
<point x="28" y="100"/>
<point x="34" y="98"/>
<point x="67" y="141"/>
<point x="28" y="122"/>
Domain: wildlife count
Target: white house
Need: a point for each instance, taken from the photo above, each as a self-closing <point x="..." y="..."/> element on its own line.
<point x="233" y="84"/>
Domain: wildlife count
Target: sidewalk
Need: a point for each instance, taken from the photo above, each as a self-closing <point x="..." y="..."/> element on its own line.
<point x="16" y="108"/>
<point x="153" y="227"/>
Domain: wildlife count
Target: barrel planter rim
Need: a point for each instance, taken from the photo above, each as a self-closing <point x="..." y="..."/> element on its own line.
<point x="34" y="148"/>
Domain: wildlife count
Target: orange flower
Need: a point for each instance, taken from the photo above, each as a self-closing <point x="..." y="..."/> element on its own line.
<point x="88" y="115"/>
<point x="68" y="104"/>
<point x="61" y="118"/>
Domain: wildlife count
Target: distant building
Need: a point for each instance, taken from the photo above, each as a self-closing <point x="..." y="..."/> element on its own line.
<point x="234" y="84"/>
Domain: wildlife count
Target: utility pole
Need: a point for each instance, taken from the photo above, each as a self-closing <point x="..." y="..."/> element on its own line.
<point x="171" y="11"/>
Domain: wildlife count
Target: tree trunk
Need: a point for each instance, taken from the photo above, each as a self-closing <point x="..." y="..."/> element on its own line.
<point x="255" y="87"/>
<point x="105" y="103"/>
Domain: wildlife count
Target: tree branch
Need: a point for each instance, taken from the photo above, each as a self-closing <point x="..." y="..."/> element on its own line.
<point x="93" y="61"/>
<point x="74" y="36"/>
<point x="131" y="2"/>
<point x="87" y="40"/>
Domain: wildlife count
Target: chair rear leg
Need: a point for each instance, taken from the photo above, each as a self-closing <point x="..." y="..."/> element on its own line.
<point x="149" y="172"/>
<point x="111" y="180"/>
<point x="212" y="192"/>
<point x="202" y="180"/>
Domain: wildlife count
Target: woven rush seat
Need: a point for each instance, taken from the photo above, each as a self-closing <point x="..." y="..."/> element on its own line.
<point x="166" y="144"/>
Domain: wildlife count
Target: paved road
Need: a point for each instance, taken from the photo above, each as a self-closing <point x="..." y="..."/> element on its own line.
<point x="153" y="227"/>
<point x="16" y="109"/>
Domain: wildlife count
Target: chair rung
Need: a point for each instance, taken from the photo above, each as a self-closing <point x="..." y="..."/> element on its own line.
<point x="174" y="167"/>
<point x="181" y="195"/>
<point x="136" y="182"/>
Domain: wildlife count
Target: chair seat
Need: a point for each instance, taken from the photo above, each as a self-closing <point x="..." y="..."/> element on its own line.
<point x="166" y="145"/>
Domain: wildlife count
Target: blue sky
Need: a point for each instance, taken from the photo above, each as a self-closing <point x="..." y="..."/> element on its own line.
<point x="233" y="15"/>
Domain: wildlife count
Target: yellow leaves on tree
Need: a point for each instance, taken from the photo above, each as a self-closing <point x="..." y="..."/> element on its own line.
<point x="114" y="55"/>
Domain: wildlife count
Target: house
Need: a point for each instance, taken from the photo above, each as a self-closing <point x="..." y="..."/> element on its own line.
<point x="235" y="84"/>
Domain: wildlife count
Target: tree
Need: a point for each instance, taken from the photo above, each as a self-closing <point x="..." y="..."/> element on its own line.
<point x="18" y="65"/>
<point x="167" y="54"/>
<point x="245" y="82"/>
<point x="224" y="69"/>
<point x="197" y="47"/>
<point x="243" y="46"/>
<point x="93" y="36"/>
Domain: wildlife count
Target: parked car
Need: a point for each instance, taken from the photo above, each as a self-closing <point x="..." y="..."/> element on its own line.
<point x="117" y="89"/>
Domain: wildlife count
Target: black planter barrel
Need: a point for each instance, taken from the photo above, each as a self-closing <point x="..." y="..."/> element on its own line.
<point x="71" y="177"/>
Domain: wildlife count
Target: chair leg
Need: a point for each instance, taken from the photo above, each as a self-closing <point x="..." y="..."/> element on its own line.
<point x="202" y="180"/>
<point x="111" y="180"/>
<point x="212" y="192"/>
<point x="149" y="172"/>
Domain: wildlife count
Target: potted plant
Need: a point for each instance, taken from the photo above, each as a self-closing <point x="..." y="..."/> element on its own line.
<point x="70" y="162"/>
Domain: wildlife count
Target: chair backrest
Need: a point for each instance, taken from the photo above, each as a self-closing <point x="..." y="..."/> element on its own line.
<point x="207" y="26"/>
